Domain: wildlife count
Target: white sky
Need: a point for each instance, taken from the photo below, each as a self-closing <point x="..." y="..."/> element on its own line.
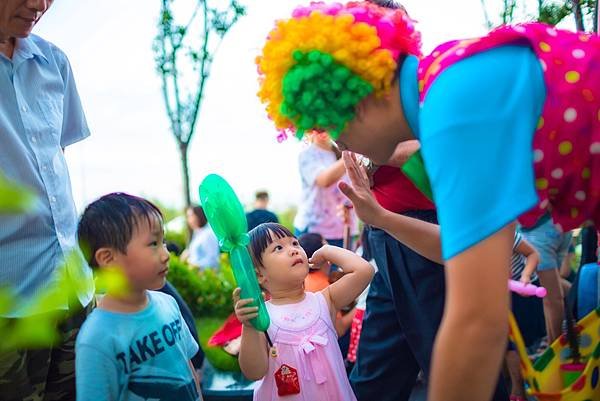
<point x="109" y="44"/>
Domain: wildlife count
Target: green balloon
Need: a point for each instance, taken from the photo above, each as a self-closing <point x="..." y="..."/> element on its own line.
<point x="226" y="217"/>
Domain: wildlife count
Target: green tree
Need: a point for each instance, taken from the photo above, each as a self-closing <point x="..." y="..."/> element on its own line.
<point x="183" y="57"/>
<point x="552" y="12"/>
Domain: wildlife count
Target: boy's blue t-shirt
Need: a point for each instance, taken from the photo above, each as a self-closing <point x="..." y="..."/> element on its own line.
<point x="136" y="356"/>
<point x="476" y="129"/>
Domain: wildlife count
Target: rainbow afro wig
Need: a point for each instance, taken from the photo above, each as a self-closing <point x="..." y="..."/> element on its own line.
<point x="318" y="65"/>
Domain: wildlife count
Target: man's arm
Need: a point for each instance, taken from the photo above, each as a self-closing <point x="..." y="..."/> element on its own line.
<point x="472" y="337"/>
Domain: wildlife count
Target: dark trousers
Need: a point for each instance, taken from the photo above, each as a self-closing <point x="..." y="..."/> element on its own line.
<point x="404" y="310"/>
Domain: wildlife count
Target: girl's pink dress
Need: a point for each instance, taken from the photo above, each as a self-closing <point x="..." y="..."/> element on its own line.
<point x="305" y="339"/>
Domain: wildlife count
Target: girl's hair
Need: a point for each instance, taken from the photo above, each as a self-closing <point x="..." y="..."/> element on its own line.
<point x="262" y="236"/>
<point x="199" y="213"/>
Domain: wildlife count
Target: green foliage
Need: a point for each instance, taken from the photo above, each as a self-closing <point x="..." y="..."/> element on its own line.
<point x="286" y="217"/>
<point x="207" y="292"/>
<point x="179" y="238"/>
<point x="43" y="314"/>
<point x="183" y="54"/>
<point x="216" y="356"/>
<point x="14" y="198"/>
<point x="548" y="11"/>
<point x="169" y="213"/>
<point x="553" y="13"/>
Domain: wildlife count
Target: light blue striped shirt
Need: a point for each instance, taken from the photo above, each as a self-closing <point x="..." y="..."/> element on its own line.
<point x="40" y="113"/>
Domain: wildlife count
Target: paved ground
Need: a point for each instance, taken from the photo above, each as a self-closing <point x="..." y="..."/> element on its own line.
<point x="219" y="386"/>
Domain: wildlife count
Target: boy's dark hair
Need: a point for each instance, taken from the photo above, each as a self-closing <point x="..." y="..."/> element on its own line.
<point x="109" y="222"/>
<point x="311" y="242"/>
<point x="199" y="213"/>
<point x="262" y="236"/>
<point x="261" y="195"/>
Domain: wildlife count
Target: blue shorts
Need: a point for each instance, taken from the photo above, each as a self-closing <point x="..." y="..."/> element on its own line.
<point x="551" y="244"/>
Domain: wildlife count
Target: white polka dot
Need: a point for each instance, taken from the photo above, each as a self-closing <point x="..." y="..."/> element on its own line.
<point x="580" y="195"/>
<point x="538" y="155"/>
<point x="578" y="53"/>
<point x="595" y="148"/>
<point x="551" y="32"/>
<point x="544" y="66"/>
<point x="520" y="29"/>
<point x="570" y="115"/>
<point x="557" y="173"/>
<point x="544" y="204"/>
<point x="460" y="52"/>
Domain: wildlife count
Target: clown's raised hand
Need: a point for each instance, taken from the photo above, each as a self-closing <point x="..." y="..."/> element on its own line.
<point x="359" y="192"/>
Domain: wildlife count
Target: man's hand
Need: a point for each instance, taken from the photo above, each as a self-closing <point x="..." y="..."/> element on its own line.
<point x="359" y="193"/>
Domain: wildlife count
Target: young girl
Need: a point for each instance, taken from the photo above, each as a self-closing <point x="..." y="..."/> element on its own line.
<point x="299" y="356"/>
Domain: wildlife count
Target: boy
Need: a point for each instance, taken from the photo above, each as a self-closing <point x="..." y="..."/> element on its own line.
<point x="136" y="344"/>
<point x="509" y="128"/>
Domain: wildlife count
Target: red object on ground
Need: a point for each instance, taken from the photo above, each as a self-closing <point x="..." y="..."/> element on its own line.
<point x="230" y="330"/>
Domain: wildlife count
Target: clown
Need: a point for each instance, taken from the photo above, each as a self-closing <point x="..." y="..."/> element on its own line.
<point x="509" y="126"/>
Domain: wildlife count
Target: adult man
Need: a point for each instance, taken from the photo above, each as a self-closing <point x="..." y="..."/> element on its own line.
<point x="260" y="214"/>
<point x="40" y="115"/>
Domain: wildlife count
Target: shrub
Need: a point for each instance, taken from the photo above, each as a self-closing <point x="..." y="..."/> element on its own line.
<point x="207" y="292"/>
<point x="179" y="238"/>
<point x="286" y="218"/>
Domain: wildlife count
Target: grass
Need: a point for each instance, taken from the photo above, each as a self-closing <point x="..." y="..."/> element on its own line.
<point x="217" y="357"/>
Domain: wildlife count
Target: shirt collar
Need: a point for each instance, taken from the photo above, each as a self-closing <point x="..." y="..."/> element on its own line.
<point x="25" y="48"/>
<point x="409" y="92"/>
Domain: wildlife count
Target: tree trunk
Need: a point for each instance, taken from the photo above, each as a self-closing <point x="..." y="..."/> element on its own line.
<point x="578" y="14"/>
<point x="183" y="148"/>
<point x="596" y="17"/>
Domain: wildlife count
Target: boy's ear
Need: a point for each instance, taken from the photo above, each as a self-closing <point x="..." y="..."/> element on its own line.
<point x="105" y="257"/>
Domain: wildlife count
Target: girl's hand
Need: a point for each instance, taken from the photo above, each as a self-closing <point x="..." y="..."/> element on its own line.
<point x="242" y="312"/>
<point x="319" y="258"/>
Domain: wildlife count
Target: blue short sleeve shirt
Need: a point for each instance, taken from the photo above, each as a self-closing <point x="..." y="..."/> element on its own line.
<point x="476" y="128"/>
<point x="40" y="115"/>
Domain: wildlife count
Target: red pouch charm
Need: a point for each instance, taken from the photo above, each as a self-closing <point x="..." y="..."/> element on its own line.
<point x="286" y="379"/>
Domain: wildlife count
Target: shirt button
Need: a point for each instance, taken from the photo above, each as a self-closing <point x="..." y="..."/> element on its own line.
<point x="53" y="199"/>
<point x="24" y="109"/>
<point x="33" y="139"/>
